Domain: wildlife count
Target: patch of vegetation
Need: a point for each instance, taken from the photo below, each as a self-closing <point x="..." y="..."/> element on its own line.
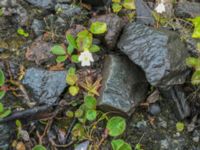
<point x="118" y="5"/>
<point x="22" y="32"/>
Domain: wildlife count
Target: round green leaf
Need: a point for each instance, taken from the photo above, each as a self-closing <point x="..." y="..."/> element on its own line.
<point x="78" y="113"/>
<point x="58" y="50"/>
<point x="126" y="146"/>
<point x="116" y="126"/>
<point x="193" y="62"/>
<point x="91" y="115"/>
<point x="70" y="114"/>
<point x="116" y="1"/>
<point x="180" y="126"/>
<point x="39" y="147"/>
<point x="117" y="144"/>
<point x="98" y="27"/>
<point x="90" y="102"/>
<point x="2" y="94"/>
<point x="73" y="90"/>
<point x="129" y="4"/>
<point x="2" y="78"/>
<point x="84" y="40"/>
<point x="116" y="7"/>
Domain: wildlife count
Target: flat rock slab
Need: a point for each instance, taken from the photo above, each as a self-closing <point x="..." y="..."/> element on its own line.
<point x="124" y="85"/>
<point x="159" y="53"/>
<point x="44" y="86"/>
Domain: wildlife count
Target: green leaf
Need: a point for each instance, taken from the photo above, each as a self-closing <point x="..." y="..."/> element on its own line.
<point x="58" y="50"/>
<point x="78" y="131"/>
<point x="91" y="115"/>
<point x="39" y="147"/>
<point x="2" y="78"/>
<point x="116" y="1"/>
<point x="138" y="146"/>
<point x="90" y="102"/>
<point x="116" y="126"/>
<point x="2" y="94"/>
<point x="70" y="49"/>
<point x="196" y="77"/>
<point x="5" y="113"/>
<point x="129" y="4"/>
<point x="180" y="126"/>
<point x="74" y="58"/>
<point x="71" y="40"/>
<point x="78" y="113"/>
<point x="70" y="114"/>
<point x="120" y="145"/>
<point x="84" y="40"/>
<point x="21" y="31"/>
<point x="94" y="48"/>
<point x="196" y="23"/>
<point x="1" y="108"/>
<point x="71" y="77"/>
<point x="193" y="62"/>
<point x="60" y="59"/>
<point x="18" y="124"/>
<point x="116" y="7"/>
<point x="98" y="27"/>
<point x="73" y="90"/>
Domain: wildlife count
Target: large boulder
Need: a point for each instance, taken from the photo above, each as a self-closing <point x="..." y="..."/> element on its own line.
<point x="124" y="85"/>
<point x="44" y="86"/>
<point x="160" y="53"/>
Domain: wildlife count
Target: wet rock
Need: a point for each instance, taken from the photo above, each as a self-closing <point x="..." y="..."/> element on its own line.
<point x="97" y="2"/>
<point x="44" y="86"/>
<point x="115" y="24"/>
<point x="82" y="146"/>
<point x="187" y="9"/>
<point x="8" y="3"/>
<point x="38" y="27"/>
<point x="67" y="11"/>
<point x="39" y="51"/>
<point x="154" y="109"/>
<point x="160" y="53"/>
<point x="124" y="85"/>
<point x="45" y="4"/>
<point x="4" y="136"/>
<point x="143" y="12"/>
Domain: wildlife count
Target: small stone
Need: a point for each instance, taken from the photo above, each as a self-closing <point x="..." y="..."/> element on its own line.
<point x="45" y="4"/>
<point x="39" y="51"/>
<point x="141" y="124"/>
<point x="82" y="146"/>
<point x="67" y="11"/>
<point x="38" y="27"/>
<point x="124" y="85"/>
<point x="164" y="144"/>
<point x="44" y="86"/>
<point x="162" y="123"/>
<point x="154" y="109"/>
<point x="187" y="9"/>
<point x="114" y="25"/>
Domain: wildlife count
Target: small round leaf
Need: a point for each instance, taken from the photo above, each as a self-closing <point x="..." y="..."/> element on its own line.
<point x="58" y="50"/>
<point x="91" y="115"/>
<point x="98" y="27"/>
<point x="90" y="102"/>
<point x="39" y="147"/>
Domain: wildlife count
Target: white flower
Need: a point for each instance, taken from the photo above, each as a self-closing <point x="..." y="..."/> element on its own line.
<point x="160" y="8"/>
<point x="85" y="58"/>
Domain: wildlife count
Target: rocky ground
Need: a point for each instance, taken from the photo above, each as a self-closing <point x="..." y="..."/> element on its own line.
<point x="139" y="73"/>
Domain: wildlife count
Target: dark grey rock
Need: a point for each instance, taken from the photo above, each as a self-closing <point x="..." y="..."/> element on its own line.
<point x="154" y="109"/>
<point x="160" y="53"/>
<point x="44" y="86"/>
<point x="143" y="12"/>
<point x="4" y="136"/>
<point x="45" y="4"/>
<point x="124" y="85"/>
<point x="68" y="11"/>
<point x="38" y="27"/>
<point x="82" y="146"/>
<point x="114" y="24"/>
<point x="187" y="9"/>
<point x="97" y="3"/>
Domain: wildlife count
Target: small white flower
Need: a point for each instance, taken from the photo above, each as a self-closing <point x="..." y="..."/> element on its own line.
<point x="160" y="8"/>
<point x="86" y="58"/>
